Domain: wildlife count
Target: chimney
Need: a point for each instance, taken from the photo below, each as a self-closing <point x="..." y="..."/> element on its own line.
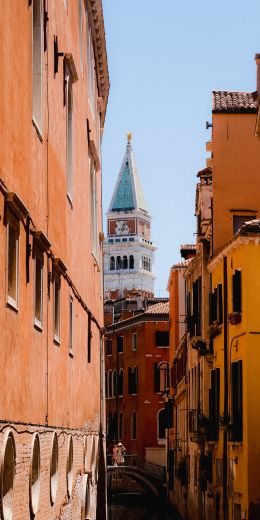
<point x="257" y="59"/>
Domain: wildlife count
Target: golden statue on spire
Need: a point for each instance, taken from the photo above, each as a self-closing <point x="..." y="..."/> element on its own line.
<point x="129" y="137"/>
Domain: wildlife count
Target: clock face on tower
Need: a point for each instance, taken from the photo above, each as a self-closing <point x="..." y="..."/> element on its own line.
<point x="121" y="228"/>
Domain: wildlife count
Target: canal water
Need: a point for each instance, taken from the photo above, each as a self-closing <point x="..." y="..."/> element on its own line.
<point x="134" y="507"/>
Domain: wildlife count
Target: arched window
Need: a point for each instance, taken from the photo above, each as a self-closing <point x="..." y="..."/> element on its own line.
<point x="149" y="264"/>
<point x="114" y="383"/>
<point x="125" y="262"/>
<point x="121" y="382"/>
<point x="112" y="263"/>
<point x="133" y="426"/>
<point x="54" y="468"/>
<point x="110" y="383"/>
<point x="118" y="263"/>
<point x="106" y="383"/>
<point x="161" y="423"/>
<point x="7" y="464"/>
<point x="163" y="376"/>
<point x="131" y="262"/>
<point x="70" y="467"/>
<point x="35" y="474"/>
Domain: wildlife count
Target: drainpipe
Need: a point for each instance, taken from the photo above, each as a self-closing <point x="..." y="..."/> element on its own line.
<point x="226" y="418"/>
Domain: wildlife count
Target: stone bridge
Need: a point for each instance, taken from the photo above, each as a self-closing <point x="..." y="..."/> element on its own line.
<point x="150" y="476"/>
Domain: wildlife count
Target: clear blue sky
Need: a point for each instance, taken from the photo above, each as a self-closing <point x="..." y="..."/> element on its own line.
<point x="164" y="60"/>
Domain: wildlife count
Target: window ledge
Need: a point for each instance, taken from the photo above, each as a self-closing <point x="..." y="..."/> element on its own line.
<point x="12" y="304"/>
<point x="38" y="325"/>
<point x="71" y="353"/>
<point x="56" y="340"/>
<point x="38" y="131"/>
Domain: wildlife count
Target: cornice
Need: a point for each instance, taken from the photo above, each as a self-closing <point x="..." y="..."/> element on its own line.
<point x="96" y="19"/>
<point x="231" y="246"/>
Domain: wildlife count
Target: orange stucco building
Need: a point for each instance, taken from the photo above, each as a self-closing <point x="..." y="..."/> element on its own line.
<point x="52" y="108"/>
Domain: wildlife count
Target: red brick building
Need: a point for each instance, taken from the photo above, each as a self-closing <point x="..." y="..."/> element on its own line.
<point x="137" y="353"/>
<point x="53" y="101"/>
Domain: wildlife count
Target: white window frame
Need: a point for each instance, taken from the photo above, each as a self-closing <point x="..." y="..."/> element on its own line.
<point x="94" y="211"/>
<point x="71" y="326"/>
<point x="134" y="341"/>
<point x="56" y="284"/>
<point x="38" y="321"/>
<point x="13" y="302"/>
<point x="80" y="13"/>
<point x="91" y="81"/>
<point x="37" y="69"/>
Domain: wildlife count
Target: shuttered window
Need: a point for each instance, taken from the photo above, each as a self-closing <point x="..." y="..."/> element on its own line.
<point x="237" y="292"/>
<point x="236" y="433"/>
<point x="214" y="405"/>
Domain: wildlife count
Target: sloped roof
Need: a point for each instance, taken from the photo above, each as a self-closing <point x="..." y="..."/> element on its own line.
<point x="158" y="308"/>
<point x="128" y="194"/>
<point x="225" y="101"/>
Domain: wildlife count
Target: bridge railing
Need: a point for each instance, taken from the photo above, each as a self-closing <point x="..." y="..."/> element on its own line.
<point x="154" y="470"/>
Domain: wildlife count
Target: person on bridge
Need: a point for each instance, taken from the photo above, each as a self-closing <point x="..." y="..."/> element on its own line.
<point x="120" y="454"/>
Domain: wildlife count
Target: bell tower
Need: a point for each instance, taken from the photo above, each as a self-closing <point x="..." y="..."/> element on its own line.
<point x="128" y="248"/>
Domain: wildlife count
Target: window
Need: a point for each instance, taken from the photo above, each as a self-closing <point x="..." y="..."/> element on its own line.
<point x="196" y="297"/>
<point x="106" y="384"/>
<point x="214" y="393"/>
<point x="161" y="377"/>
<point x="114" y="383"/>
<point x="120" y="426"/>
<point x="91" y="85"/>
<point x="94" y="210"/>
<point x="162" y="423"/>
<point x="71" y="326"/>
<point x="216" y="305"/>
<point x="162" y="338"/>
<point x="70" y="76"/>
<point x="236" y="431"/>
<point x="110" y="383"/>
<point x="108" y="344"/>
<point x="12" y="262"/>
<point x="131" y="262"/>
<point x="120" y="382"/>
<point x="69" y="469"/>
<point x="133" y="380"/>
<point x="112" y="263"/>
<point x="8" y="473"/>
<point x="80" y="35"/>
<point x="239" y="220"/>
<point x="54" y="468"/>
<point x="120" y="344"/>
<point x="38" y="290"/>
<point x="118" y="263"/>
<point x="56" y="306"/>
<point x="125" y="262"/>
<point x="133" y="427"/>
<point x="37" y="59"/>
<point x="236" y="286"/>
<point x="35" y="474"/>
<point x="134" y="341"/>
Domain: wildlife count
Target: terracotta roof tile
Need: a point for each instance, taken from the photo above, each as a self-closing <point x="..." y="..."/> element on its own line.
<point x="224" y="101"/>
<point x="158" y="308"/>
<point x="184" y="263"/>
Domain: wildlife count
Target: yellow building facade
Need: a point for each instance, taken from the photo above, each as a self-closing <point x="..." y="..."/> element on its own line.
<point x="236" y="360"/>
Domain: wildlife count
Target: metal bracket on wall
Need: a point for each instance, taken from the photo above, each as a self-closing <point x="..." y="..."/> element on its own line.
<point x="57" y="55"/>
